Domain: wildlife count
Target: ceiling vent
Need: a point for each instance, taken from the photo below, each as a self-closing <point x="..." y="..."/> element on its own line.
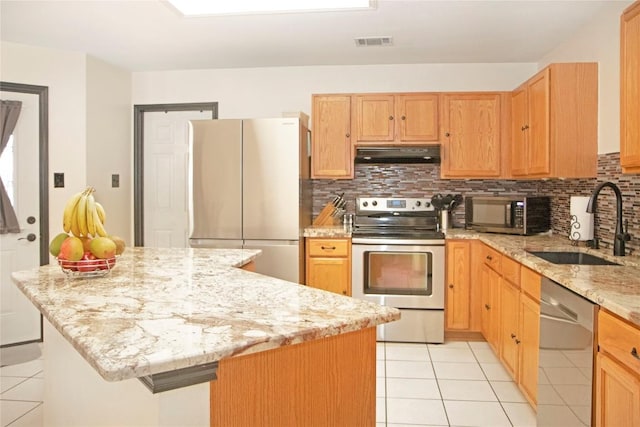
<point x="373" y="41"/>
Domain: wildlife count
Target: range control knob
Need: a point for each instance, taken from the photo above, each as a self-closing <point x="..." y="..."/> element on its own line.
<point x="374" y="203"/>
<point x="418" y="203"/>
<point x="427" y="204"/>
<point x="365" y="203"/>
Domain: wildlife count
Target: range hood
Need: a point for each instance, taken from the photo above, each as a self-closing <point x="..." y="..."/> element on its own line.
<point x="397" y="154"/>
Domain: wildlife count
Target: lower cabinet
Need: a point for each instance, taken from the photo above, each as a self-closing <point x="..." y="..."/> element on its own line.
<point x="458" y="291"/>
<point x="328" y="264"/>
<point x="617" y="377"/>
<point x="510" y="317"/>
<point x="529" y="334"/>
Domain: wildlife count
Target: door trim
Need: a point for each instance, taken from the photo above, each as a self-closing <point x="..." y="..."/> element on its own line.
<point x="138" y="154"/>
<point x="43" y="158"/>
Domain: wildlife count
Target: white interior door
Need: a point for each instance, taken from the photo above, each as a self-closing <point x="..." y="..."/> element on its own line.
<point x="19" y="167"/>
<point x="166" y="156"/>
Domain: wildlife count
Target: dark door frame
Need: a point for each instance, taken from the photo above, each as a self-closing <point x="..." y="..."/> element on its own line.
<point x="138" y="154"/>
<point x="42" y="92"/>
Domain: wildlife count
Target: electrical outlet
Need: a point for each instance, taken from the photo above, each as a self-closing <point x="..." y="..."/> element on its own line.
<point x="58" y="180"/>
<point x="115" y="180"/>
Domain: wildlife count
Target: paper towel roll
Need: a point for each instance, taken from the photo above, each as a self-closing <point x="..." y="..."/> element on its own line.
<point x="581" y="220"/>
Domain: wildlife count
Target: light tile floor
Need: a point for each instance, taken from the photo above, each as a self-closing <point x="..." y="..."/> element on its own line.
<point x="452" y="384"/>
<point x="21" y="390"/>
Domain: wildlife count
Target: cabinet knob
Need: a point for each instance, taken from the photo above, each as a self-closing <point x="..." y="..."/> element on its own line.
<point x="489" y="257"/>
<point x="390" y="117"/>
<point x="348" y="135"/>
<point x="513" y="336"/>
<point x="403" y="118"/>
<point x="487" y="307"/>
<point x="450" y="285"/>
<point x="634" y="353"/>
<point x="517" y="341"/>
<point x="447" y="134"/>
<point x="525" y="127"/>
<point x="344" y="292"/>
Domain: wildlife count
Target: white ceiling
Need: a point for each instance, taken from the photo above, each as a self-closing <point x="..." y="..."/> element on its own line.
<point x="146" y="35"/>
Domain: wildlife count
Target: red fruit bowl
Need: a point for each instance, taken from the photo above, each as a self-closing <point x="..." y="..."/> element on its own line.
<point x="87" y="267"/>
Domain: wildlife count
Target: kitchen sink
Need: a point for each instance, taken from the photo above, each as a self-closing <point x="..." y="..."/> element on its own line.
<point x="571" y="258"/>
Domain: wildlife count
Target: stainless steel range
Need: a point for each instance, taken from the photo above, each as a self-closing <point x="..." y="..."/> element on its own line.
<point x="398" y="261"/>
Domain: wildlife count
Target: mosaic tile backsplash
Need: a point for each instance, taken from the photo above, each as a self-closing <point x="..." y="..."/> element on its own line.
<point x="424" y="181"/>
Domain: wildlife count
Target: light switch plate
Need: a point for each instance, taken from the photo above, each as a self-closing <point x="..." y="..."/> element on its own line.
<point x="115" y="180"/>
<point x="58" y="180"/>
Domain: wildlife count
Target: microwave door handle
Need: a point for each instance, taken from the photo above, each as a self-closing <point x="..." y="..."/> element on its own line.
<point x="508" y="216"/>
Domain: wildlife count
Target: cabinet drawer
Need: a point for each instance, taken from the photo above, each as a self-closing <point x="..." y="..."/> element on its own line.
<point x="492" y="258"/>
<point x="328" y="247"/>
<point x="620" y="339"/>
<point x="511" y="271"/>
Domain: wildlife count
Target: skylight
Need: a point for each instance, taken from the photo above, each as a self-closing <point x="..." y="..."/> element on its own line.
<point x="228" y="7"/>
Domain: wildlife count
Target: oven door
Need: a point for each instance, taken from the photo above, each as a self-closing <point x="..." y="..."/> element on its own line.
<point x="399" y="273"/>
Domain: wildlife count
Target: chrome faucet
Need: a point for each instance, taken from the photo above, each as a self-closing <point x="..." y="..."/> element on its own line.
<point x="621" y="235"/>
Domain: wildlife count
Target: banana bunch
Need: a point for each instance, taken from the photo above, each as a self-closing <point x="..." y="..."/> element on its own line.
<point x="83" y="216"/>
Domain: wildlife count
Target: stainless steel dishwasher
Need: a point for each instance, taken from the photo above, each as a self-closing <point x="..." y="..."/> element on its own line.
<point x="565" y="376"/>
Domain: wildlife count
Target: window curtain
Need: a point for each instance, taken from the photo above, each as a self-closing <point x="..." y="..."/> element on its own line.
<point x="9" y="112"/>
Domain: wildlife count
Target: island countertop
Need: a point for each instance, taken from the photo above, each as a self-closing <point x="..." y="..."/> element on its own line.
<point x="161" y="310"/>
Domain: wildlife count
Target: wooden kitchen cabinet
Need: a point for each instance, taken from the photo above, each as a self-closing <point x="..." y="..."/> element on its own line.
<point x="331" y="148"/>
<point x="471" y="135"/>
<point x="509" y="316"/>
<point x="328" y="264"/>
<point x="490" y="296"/>
<point x="617" y="378"/>
<point x="529" y="334"/>
<point x="630" y="89"/>
<point x="409" y="118"/>
<point x="554" y="123"/>
<point x="458" y="291"/>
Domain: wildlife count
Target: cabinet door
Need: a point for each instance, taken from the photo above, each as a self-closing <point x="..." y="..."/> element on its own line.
<point x="471" y="129"/>
<point x="519" y="131"/>
<point x="630" y="89"/>
<point x="458" y="314"/>
<point x="490" y="282"/>
<point x="330" y="274"/>
<point x="374" y="117"/>
<point x="529" y="335"/>
<point x="509" y="310"/>
<point x="617" y="394"/>
<point x="417" y="117"/>
<point x="537" y="133"/>
<point x="331" y="153"/>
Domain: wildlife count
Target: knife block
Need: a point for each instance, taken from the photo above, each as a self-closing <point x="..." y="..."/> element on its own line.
<point x="325" y="217"/>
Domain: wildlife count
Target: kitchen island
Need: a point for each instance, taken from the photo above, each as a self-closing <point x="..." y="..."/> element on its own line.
<point x="183" y="337"/>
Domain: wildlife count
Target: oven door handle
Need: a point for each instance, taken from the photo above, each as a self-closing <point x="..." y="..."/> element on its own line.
<point x="374" y="241"/>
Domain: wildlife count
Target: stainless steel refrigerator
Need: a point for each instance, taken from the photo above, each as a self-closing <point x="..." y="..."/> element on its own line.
<point x="249" y="187"/>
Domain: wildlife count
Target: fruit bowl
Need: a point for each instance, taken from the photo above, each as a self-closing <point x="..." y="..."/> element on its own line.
<point x="87" y="267"/>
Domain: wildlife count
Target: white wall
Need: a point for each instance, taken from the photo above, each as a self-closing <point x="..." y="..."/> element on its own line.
<point x="64" y="73"/>
<point x="267" y="92"/>
<point x="109" y="148"/>
<point x="599" y="42"/>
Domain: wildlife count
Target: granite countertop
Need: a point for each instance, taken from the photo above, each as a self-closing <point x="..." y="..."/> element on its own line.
<point x="616" y="288"/>
<point x="336" y="231"/>
<point x="160" y="310"/>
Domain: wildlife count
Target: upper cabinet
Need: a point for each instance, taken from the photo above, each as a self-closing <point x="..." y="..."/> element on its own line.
<point x="410" y="118"/>
<point x="554" y="126"/>
<point x="630" y="89"/>
<point x="471" y="135"/>
<point x="331" y="152"/>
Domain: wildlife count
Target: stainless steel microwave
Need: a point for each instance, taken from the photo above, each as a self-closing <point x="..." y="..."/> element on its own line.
<point x="510" y="215"/>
